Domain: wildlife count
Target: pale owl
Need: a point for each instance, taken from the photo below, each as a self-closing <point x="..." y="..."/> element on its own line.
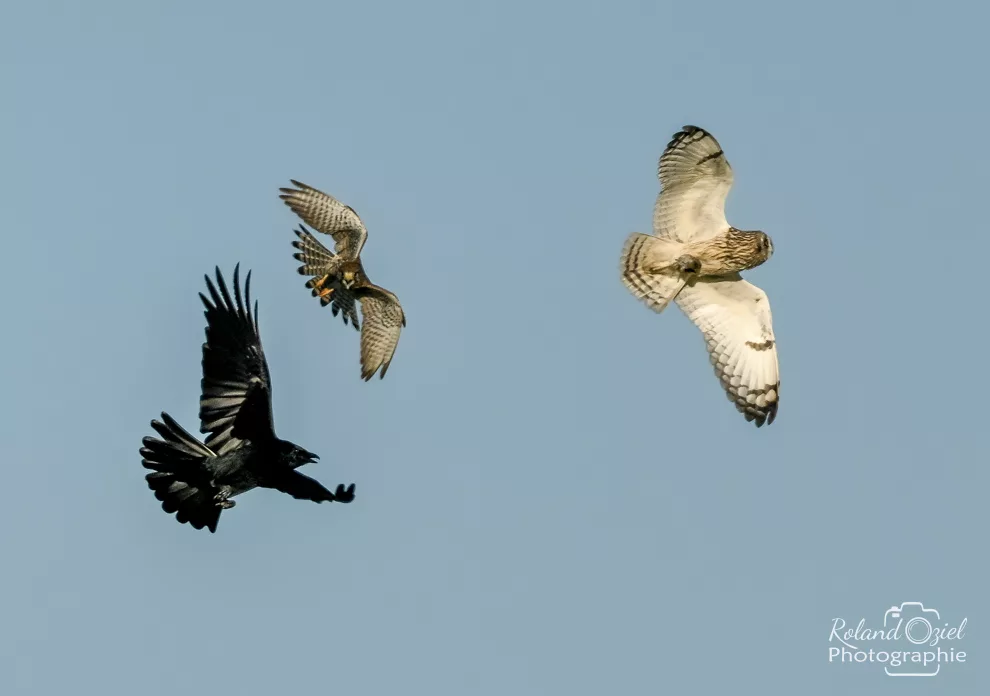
<point x="694" y="258"/>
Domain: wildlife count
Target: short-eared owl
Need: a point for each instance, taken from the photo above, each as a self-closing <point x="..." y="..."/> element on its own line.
<point x="694" y="258"/>
<point x="339" y="278"/>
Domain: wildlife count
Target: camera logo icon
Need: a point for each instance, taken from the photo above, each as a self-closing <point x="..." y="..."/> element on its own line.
<point x="914" y="641"/>
<point x="914" y="620"/>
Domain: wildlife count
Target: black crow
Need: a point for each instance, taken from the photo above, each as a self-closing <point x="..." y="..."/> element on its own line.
<point x="196" y="480"/>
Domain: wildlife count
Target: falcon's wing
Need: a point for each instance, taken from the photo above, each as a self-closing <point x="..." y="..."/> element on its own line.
<point x="236" y="401"/>
<point x="318" y="261"/>
<point x="734" y="317"/>
<point x="695" y="179"/>
<point x="303" y="487"/>
<point x="329" y="216"/>
<point x="383" y="321"/>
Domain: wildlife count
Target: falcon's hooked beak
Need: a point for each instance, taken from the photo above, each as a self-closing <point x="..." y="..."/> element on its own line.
<point x="348" y="280"/>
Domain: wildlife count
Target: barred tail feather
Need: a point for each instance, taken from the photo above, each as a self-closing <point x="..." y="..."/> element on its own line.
<point x="317" y="260"/>
<point x="642" y="258"/>
<point x="177" y="478"/>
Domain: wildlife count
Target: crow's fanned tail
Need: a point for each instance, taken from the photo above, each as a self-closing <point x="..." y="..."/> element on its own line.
<point x="178" y="478"/>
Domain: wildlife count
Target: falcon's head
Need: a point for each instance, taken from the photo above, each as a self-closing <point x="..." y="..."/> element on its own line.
<point x="352" y="275"/>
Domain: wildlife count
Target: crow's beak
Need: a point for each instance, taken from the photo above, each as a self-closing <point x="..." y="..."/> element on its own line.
<point x="310" y="457"/>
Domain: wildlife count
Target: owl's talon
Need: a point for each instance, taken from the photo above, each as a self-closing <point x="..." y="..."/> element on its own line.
<point x="688" y="264"/>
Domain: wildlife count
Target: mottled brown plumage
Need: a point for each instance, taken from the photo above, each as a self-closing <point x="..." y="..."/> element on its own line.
<point x="694" y="258"/>
<point x="729" y="252"/>
<point x="338" y="277"/>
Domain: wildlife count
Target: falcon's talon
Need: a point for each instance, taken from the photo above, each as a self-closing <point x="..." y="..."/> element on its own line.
<point x="318" y="283"/>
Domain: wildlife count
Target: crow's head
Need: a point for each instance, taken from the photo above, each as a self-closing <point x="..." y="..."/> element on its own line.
<point x="296" y="456"/>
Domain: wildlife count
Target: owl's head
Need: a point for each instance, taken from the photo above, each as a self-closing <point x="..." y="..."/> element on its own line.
<point x="764" y="244"/>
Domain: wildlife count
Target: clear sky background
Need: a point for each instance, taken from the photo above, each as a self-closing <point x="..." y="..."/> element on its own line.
<point x="553" y="494"/>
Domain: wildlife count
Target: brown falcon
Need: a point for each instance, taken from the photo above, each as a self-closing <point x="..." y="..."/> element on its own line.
<point x="694" y="258"/>
<point x="338" y="277"/>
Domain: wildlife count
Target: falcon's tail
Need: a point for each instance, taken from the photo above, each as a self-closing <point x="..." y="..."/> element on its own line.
<point x="177" y="461"/>
<point x="319" y="262"/>
<point x="317" y="259"/>
<point x="648" y="268"/>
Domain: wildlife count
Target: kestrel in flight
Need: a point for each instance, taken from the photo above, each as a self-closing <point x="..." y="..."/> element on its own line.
<point x="339" y="278"/>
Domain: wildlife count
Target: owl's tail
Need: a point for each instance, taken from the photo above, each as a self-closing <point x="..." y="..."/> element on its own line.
<point x="649" y="269"/>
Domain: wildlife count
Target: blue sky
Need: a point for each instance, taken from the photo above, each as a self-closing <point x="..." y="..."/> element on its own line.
<point x="553" y="494"/>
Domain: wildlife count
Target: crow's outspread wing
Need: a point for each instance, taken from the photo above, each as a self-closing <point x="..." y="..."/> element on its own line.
<point x="236" y="403"/>
<point x="383" y="320"/>
<point x="303" y="487"/>
<point x="329" y="216"/>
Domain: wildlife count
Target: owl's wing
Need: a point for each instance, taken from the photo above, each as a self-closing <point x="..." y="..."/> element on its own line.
<point x="318" y="261"/>
<point x="695" y="179"/>
<point x="327" y="215"/>
<point x="734" y="317"/>
<point x="383" y="321"/>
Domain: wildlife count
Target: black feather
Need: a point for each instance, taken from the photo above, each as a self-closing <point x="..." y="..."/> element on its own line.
<point x="193" y="479"/>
